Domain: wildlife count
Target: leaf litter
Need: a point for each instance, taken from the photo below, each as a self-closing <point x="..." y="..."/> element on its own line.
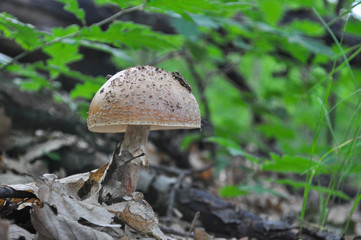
<point x="58" y="212"/>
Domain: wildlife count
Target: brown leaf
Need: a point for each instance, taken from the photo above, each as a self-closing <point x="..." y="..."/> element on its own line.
<point x="50" y="225"/>
<point x="139" y="215"/>
<point x="56" y="193"/>
<point x="200" y="234"/>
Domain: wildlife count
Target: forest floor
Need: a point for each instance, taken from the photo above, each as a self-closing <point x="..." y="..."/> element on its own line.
<point x="176" y="194"/>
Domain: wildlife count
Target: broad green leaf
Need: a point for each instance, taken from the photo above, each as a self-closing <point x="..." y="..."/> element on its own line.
<point x="75" y="75"/>
<point x="73" y="7"/>
<point x="85" y="90"/>
<point x="292" y="164"/>
<point x="229" y="114"/>
<point x="186" y="28"/>
<point x="133" y="35"/>
<point x="234" y="191"/>
<point x="299" y="53"/>
<point x="276" y="130"/>
<point x="116" y="52"/>
<point x="307" y="27"/>
<point x="272" y="11"/>
<point x="120" y="3"/>
<point x="354" y="26"/>
<point x="31" y="79"/>
<point x="62" y="32"/>
<point x="204" y="21"/>
<point x="26" y="35"/>
<point x="315" y="46"/>
<point x="205" y="7"/>
<point x="182" y="7"/>
<point x="312" y="45"/>
<point x="62" y="54"/>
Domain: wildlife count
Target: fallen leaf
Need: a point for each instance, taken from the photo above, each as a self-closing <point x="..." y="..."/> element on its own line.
<point x="139" y="215"/>
<point x="53" y="192"/>
<point x="201" y="234"/>
<point x="16" y="232"/>
<point x="52" y="226"/>
<point x="4" y="228"/>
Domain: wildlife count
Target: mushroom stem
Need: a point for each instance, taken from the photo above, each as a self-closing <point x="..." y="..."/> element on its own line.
<point x="135" y="141"/>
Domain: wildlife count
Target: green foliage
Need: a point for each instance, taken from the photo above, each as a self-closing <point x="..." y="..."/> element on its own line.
<point x="233" y="191"/>
<point x="61" y="54"/>
<point x="292" y="164"/>
<point x="32" y="79"/>
<point x="26" y="35"/>
<point x="73" y="7"/>
<point x="297" y="184"/>
<point x="133" y="35"/>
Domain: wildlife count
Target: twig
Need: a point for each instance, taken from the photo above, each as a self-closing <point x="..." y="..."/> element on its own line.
<point x="172" y="198"/>
<point x="120" y="13"/>
<point x="138" y="156"/>
<point x="169" y="230"/>
<point x="181" y="175"/>
<point x="176" y="171"/>
<point x="195" y="218"/>
<point x="59" y="39"/>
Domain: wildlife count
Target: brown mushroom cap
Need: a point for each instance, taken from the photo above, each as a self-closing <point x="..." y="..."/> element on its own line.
<point x="144" y="95"/>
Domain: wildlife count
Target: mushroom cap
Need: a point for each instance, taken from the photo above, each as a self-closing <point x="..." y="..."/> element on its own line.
<point x="144" y="95"/>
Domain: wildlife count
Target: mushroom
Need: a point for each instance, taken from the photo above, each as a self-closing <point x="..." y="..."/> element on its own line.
<point x="138" y="100"/>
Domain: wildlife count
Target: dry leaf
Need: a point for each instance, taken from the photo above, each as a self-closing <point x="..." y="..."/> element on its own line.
<point x="139" y="215"/>
<point x="54" y="192"/>
<point x="200" y="234"/>
<point x="52" y="226"/>
<point x="16" y="232"/>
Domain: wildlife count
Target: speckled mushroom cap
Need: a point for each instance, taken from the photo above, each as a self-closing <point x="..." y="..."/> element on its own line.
<point x="144" y="95"/>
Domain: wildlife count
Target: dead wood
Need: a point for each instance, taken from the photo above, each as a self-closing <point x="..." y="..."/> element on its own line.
<point x="219" y="217"/>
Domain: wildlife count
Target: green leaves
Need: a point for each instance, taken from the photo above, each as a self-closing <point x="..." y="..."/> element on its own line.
<point x="26" y="35"/>
<point x="135" y="36"/>
<point x="292" y="164"/>
<point x="32" y="80"/>
<point x="61" y="55"/>
<point x="234" y="191"/>
<point x="73" y="7"/>
<point x="272" y="10"/>
<point x="88" y="88"/>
